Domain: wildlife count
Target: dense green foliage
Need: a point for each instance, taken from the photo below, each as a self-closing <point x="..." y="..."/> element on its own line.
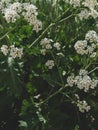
<point x="33" y="97"/>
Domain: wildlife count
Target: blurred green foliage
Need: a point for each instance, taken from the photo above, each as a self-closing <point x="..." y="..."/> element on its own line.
<point x="22" y="80"/>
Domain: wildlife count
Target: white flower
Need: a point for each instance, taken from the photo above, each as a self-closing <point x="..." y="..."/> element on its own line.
<point x="7" y="2"/>
<point x="64" y="73"/>
<point x="91" y="36"/>
<point x="43" y="51"/>
<point x="37" y="25"/>
<point x="16" y="6"/>
<point x="30" y="8"/>
<point x="37" y="96"/>
<point x="75" y="3"/>
<point x="94" y="13"/>
<point x="30" y="17"/>
<point x="83" y="72"/>
<point x="83" y="48"/>
<point x="30" y="13"/>
<point x="80" y="46"/>
<point x="50" y="64"/>
<point x="93" y="55"/>
<point x="46" y="43"/>
<point x="77" y="96"/>
<point x="92" y="119"/>
<point x="70" y="80"/>
<point x="76" y="79"/>
<point x="14" y="11"/>
<point x="48" y="46"/>
<point x="94" y="83"/>
<point x="16" y="52"/>
<point x="90" y="49"/>
<point x="83" y="106"/>
<point x="82" y="81"/>
<point x="57" y="45"/>
<point x="4" y="49"/>
<point x="84" y="14"/>
<point x="93" y="45"/>
<point x="11" y="15"/>
<point x="90" y="3"/>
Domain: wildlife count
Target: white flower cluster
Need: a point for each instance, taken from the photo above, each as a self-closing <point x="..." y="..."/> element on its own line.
<point x="14" y="11"/>
<point x="13" y="51"/>
<point x="75" y="3"/>
<point x="4" y="49"/>
<point x="16" y="6"/>
<point x="84" y="14"/>
<point x="4" y="3"/>
<point x="46" y="44"/>
<point x="11" y="13"/>
<point x="86" y="3"/>
<point x="70" y="80"/>
<point x="93" y="13"/>
<point x="82" y="47"/>
<point x="90" y="3"/>
<point x="50" y="64"/>
<point x="57" y="45"/>
<point x="83" y="106"/>
<point x="30" y="14"/>
<point x="82" y="81"/>
<point x="91" y="36"/>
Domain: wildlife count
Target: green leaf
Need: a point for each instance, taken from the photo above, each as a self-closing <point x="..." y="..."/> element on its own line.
<point x="76" y="127"/>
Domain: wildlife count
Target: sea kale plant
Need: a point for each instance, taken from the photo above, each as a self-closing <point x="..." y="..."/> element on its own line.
<point x="48" y="65"/>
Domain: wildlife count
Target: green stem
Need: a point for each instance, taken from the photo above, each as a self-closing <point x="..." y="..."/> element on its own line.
<point x="51" y="25"/>
<point x="93" y="70"/>
<point x="5" y="29"/>
<point x="59" y="17"/>
<point x="64" y="19"/>
<point x="77" y="113"/>
<point x="60" y="75"/>
<point x="88" y="65"/>
<point x="6" y="34"/>
<point x="52" y="95"/>
<point x="10" y="64"/>
<point x="41" y="35"/>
